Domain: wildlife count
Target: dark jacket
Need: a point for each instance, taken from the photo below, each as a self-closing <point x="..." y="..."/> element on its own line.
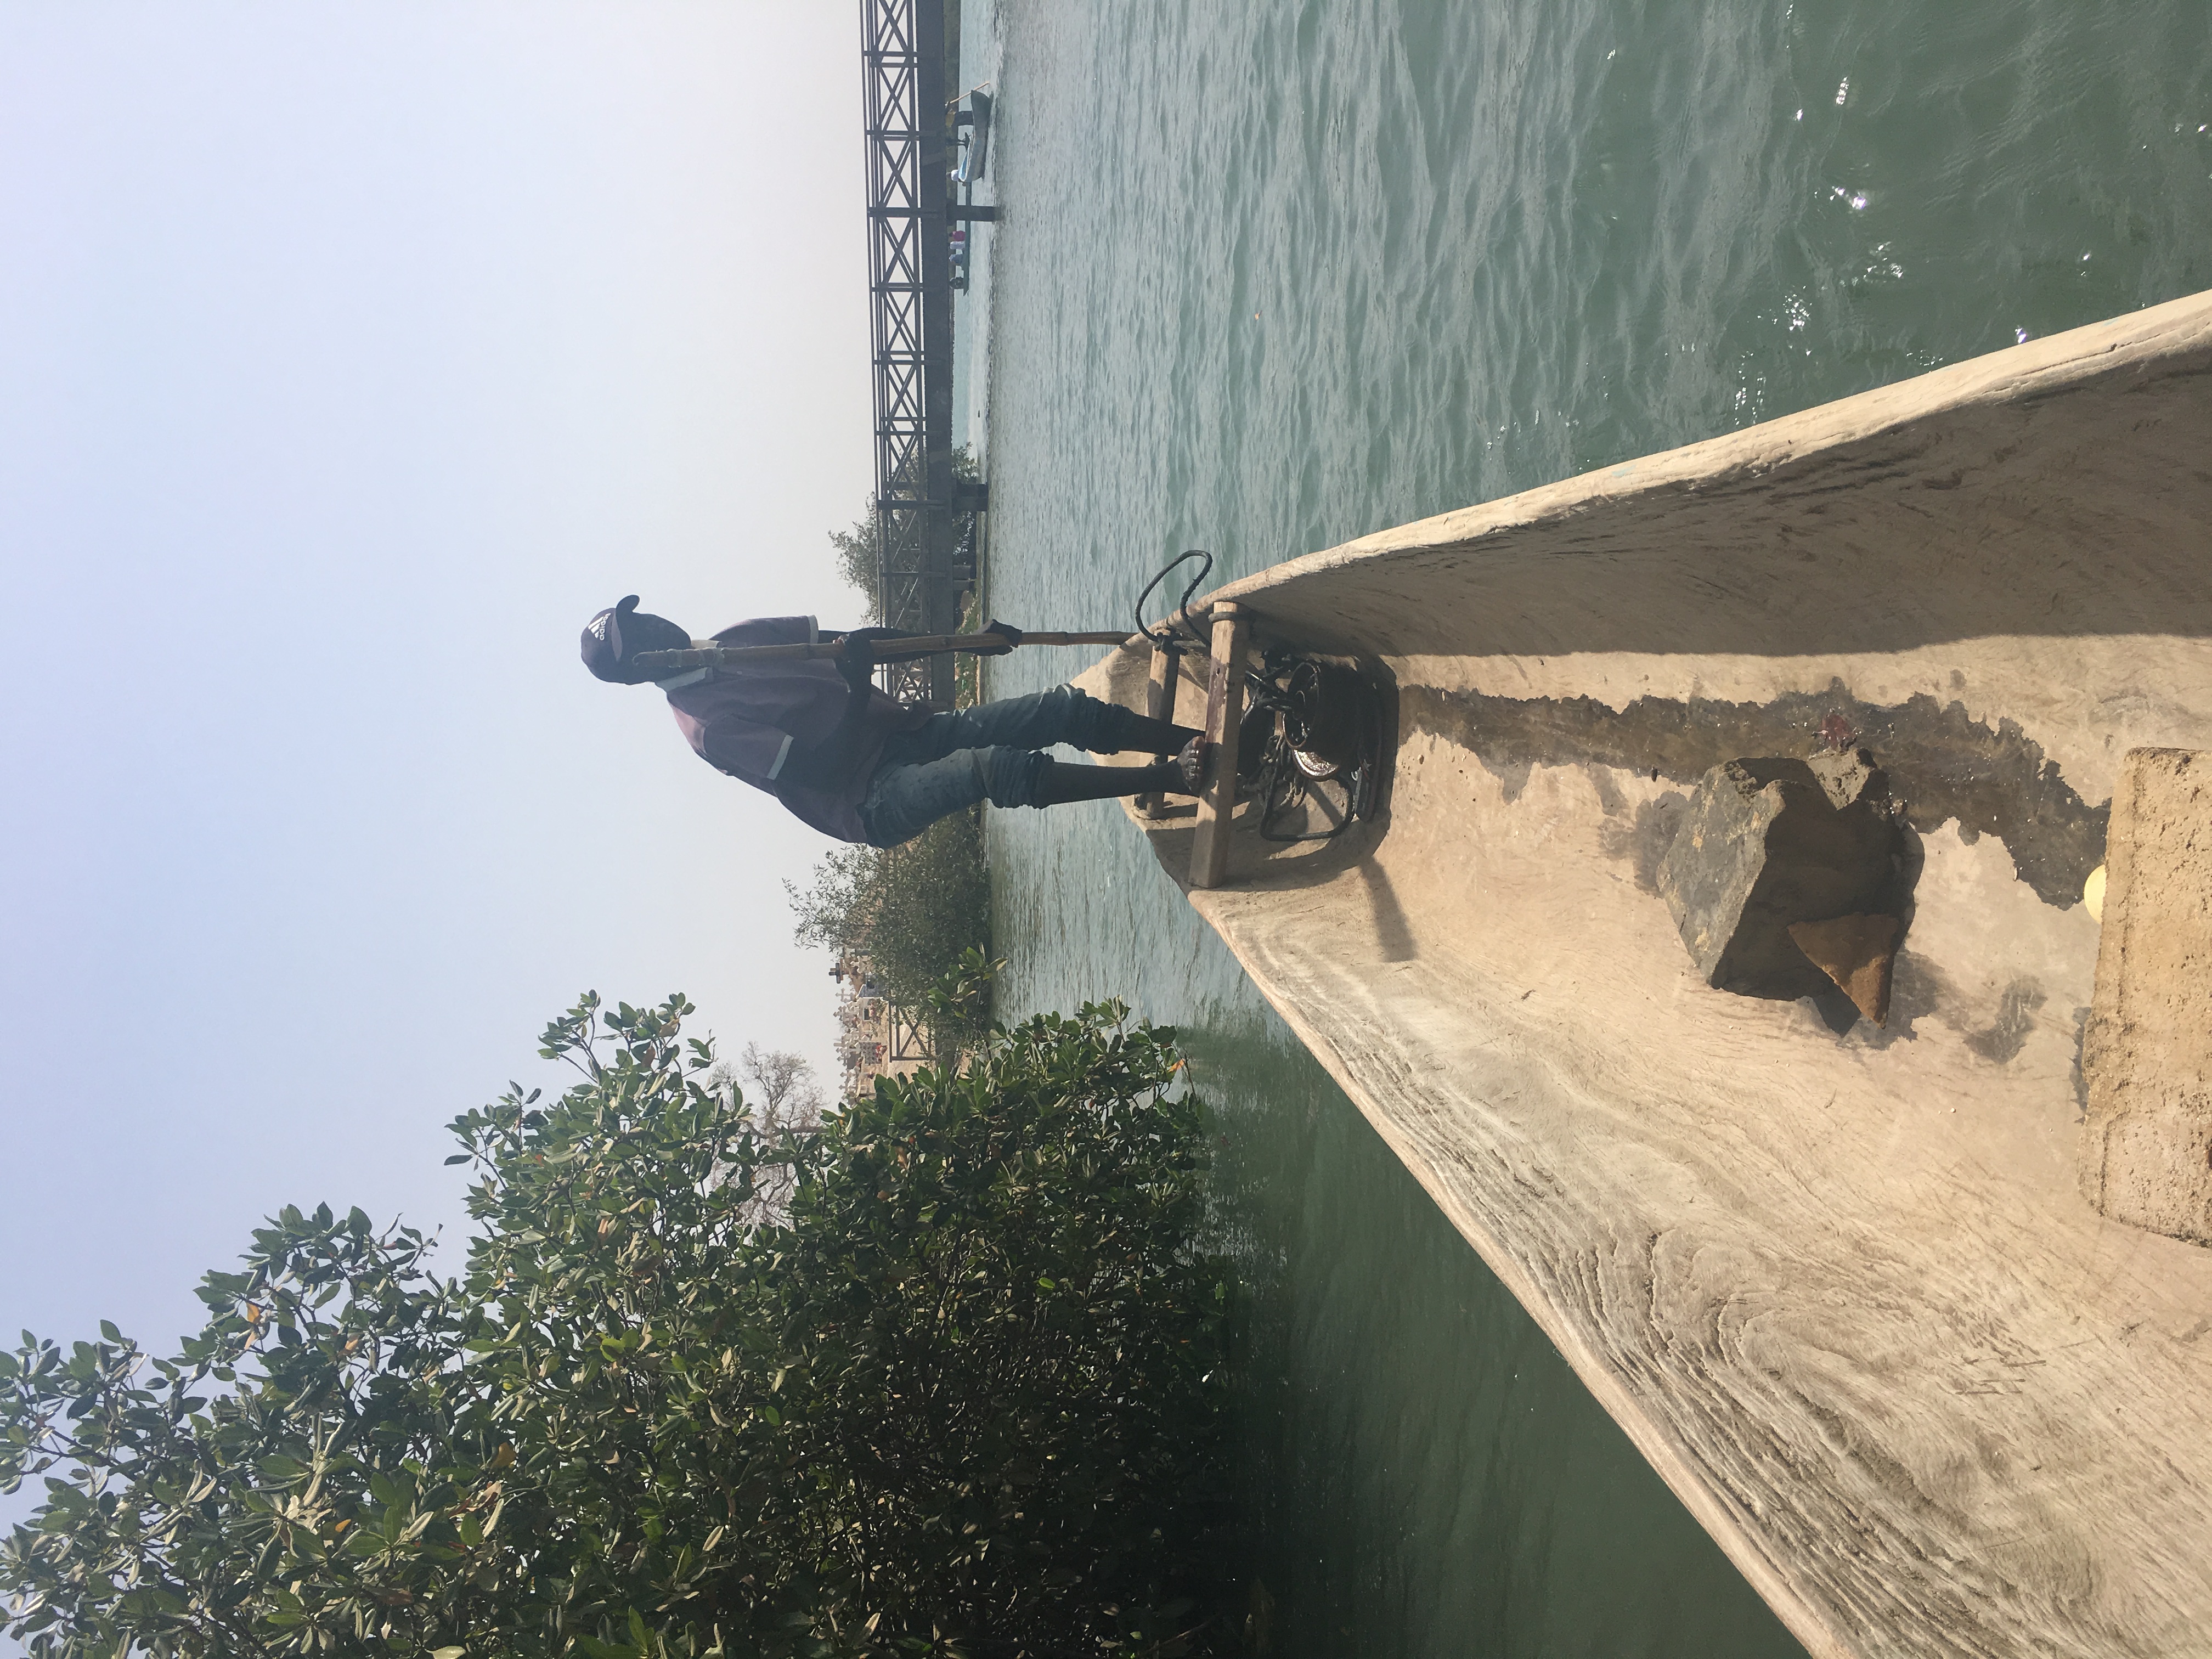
<point x="791" y="726"/>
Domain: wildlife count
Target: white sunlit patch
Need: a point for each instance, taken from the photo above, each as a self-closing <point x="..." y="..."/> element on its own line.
<point x="1882" y="265"/>
<point x="1796" y="313"/>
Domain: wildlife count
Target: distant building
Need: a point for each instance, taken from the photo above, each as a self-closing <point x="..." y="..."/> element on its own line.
<point x="875" y="1038"/>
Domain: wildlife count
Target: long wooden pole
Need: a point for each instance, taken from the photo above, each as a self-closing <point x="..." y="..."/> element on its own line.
<point x="658" y="663"/>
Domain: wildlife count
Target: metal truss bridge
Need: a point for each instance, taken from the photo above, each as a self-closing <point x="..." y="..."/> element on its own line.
<point x="921" y="513"/>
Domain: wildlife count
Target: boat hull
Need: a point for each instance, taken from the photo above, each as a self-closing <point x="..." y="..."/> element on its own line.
<point x="1836" y="1280"/>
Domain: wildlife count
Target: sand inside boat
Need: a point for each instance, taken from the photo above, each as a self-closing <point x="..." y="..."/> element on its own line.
<point x="1836" y="1280"/>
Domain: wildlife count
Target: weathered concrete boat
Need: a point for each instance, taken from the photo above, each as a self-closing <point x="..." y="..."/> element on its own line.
<point x="1840" y="1283"/>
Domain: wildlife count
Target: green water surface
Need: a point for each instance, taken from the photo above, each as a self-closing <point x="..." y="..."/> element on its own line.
<point x="1273" y="275"/>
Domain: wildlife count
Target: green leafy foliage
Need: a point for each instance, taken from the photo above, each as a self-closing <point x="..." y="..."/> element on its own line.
<point x="855" y="549"/>
<point x="960" y="1391"/>
<point x="910" y="913"/>
<point x="959" y="1004"/>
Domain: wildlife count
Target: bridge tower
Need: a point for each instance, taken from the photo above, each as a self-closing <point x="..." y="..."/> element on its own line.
<point x="910" y="305"/>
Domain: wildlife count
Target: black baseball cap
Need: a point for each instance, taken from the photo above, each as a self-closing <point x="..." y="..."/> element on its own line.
<point x="620" y="632"/>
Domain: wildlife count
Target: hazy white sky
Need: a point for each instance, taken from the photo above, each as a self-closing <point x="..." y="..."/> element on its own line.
<point x="351" y="354"/>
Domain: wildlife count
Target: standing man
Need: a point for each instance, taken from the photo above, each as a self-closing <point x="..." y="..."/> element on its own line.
<point x="815" y="734"/>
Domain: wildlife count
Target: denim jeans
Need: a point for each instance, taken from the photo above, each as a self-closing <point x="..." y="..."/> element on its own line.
<point x="990" y="753"/>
